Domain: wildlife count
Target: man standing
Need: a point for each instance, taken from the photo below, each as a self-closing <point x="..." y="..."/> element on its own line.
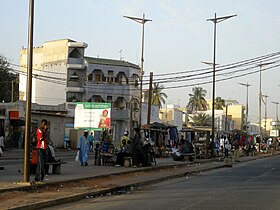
<point x="236" y="150"/>
<point x="90" y="140"/>
<point x="41" y="148"/>
<point x="83" y="147"/>
<point x="137" y="151"/>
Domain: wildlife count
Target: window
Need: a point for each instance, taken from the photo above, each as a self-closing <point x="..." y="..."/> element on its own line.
<point x="109" y="98"/>
<point x="97" y="78"/>
<point x="90" y="77"/>
<point x="110" y="77"/>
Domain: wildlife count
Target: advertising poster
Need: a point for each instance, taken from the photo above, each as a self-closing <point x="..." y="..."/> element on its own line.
<point x="92" y="116"/>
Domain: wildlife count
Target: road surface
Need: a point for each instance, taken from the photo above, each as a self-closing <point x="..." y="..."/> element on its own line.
<point x="251" y="185"/>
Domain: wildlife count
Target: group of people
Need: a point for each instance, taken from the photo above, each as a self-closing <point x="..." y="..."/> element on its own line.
<point x="184" y="147"/>
<point x="42" y="152"/>
<point x="141" y="152"/>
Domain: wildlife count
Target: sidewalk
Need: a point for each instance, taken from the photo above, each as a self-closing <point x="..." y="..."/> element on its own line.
<point x="72" y="170"/>
<point x="77" y="182"/>
<point x="13" y="168"/>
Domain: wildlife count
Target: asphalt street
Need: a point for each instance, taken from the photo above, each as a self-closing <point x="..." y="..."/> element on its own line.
<point x="250" y="185"/>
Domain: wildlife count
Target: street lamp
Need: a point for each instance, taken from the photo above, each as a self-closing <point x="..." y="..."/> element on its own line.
<point x="247" y="86"/>
<point x="26" y="174"/>
<point x="260" y="99"/>
<point x="141" y="21"/>
<point x="276" y="109"/>
<point x="265" y="115"/>
<point x="215" y="20"/>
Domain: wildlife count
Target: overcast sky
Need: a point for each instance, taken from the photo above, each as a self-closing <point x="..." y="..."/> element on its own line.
<point x="177" y="39"/>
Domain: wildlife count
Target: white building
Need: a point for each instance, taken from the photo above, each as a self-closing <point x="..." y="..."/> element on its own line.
<point x="63" y="74"/>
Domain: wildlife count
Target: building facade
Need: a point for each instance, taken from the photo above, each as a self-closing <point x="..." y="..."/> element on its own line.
<point x="63" y="74"/>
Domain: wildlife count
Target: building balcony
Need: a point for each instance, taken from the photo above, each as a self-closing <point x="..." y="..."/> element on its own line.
<point x="75" y="89"/>
<point x="75" y="66"/>
<point x="78" y="44"/>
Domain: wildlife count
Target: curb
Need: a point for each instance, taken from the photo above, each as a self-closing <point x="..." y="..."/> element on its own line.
<point x="77" y="197"/>
<point x="50" y="184"/>
<point x="93" y="194"/>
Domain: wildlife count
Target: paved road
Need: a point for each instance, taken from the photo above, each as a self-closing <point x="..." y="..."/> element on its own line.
<point x="252" y="185"/>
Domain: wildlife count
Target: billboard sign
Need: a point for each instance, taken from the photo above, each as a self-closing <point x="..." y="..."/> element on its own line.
<point x="92" y="116"/>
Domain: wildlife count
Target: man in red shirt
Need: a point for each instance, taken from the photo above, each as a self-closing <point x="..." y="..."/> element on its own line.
<point x="41" y="148"/>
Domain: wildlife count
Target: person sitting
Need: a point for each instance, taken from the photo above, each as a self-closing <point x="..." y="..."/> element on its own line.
<point x="126" y="151"/>
<point x="186" y="148"/>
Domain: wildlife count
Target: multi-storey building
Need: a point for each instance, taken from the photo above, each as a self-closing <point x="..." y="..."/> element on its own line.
<point x="63" y="74"/>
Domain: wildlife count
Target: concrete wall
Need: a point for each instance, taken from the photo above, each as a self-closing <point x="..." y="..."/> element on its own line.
<point x="50" y="62"/>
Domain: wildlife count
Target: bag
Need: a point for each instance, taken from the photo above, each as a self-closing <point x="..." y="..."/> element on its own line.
<point x="77" y="156"/>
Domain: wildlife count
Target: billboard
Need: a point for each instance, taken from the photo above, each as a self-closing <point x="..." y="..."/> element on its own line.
<point x="92" y="116"/>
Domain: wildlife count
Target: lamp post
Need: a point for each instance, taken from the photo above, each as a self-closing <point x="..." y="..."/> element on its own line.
<point x="260" y="99"/>
<point x="26" y="177"/>
<point x="276" y="109"/>
<point x="247" y="99"/>
<point x="215" y="20"/>
<point x="142" y="21"/>
<point x="265" y="114"/>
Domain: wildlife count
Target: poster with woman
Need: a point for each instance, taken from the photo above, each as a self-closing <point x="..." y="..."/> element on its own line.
<point x="92" y="116"/>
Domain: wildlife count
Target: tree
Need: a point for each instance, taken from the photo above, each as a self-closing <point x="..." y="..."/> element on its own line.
<point x="219" y="103"/>
<point x="8" y="82"/>
<point x="201" y="119"/>
<point x="197" y="100"/>
<point x="158" y="97"/>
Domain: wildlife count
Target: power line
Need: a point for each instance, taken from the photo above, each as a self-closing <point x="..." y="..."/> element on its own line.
<point x="203" y="69"/>
<point x="220" y="80"/>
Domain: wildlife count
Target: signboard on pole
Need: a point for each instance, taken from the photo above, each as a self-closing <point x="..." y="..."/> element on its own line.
<point x="92" y="116"/>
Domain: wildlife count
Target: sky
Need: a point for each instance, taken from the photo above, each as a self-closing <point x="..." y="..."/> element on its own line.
<point x="177" y="39"/>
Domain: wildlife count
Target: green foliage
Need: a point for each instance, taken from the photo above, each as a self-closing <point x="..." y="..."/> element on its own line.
<point x="197" y="100"/>
<point x="219" y="103"/>
<point x="158" y="97"/>
<point x="201" y="119"/>
<point x="6" y="80"/>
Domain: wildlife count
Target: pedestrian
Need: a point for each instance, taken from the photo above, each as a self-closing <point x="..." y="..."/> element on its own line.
<point x="137" y="151"/>
<point x="41" y="148"/>
<point x="124" y="152"/>
<point x="83" y="147"/>
<point x="2" y="146"/>
<point x="236" y="150"/>
<point x="227" y="147"/>
<point x="124" y="139"/>
<point x="90" y="139"/>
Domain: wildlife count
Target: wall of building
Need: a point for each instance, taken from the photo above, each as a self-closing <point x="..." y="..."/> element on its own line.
<point x="49" y="61"/>
<point x="237" y="113"/>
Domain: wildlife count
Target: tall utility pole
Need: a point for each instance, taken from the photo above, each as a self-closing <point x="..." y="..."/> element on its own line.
<point x="260" y="99"/>
<point x="28" y="93"/>
<point x="141" y="21"/>
<point x="265" y="114"/>
<point x="12" y="93"/>
<point x="215" y="20"/>
<point x="276" y="103"/>
<point x="247" y="104"/>
<point x="150" y="98"/>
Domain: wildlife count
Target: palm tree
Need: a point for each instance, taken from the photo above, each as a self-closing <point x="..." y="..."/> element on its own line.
<point x="201" y="119"/>
<point x="197" y="100"/>
<point x="219" y="103"/>
<point x="158" y="97"/>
